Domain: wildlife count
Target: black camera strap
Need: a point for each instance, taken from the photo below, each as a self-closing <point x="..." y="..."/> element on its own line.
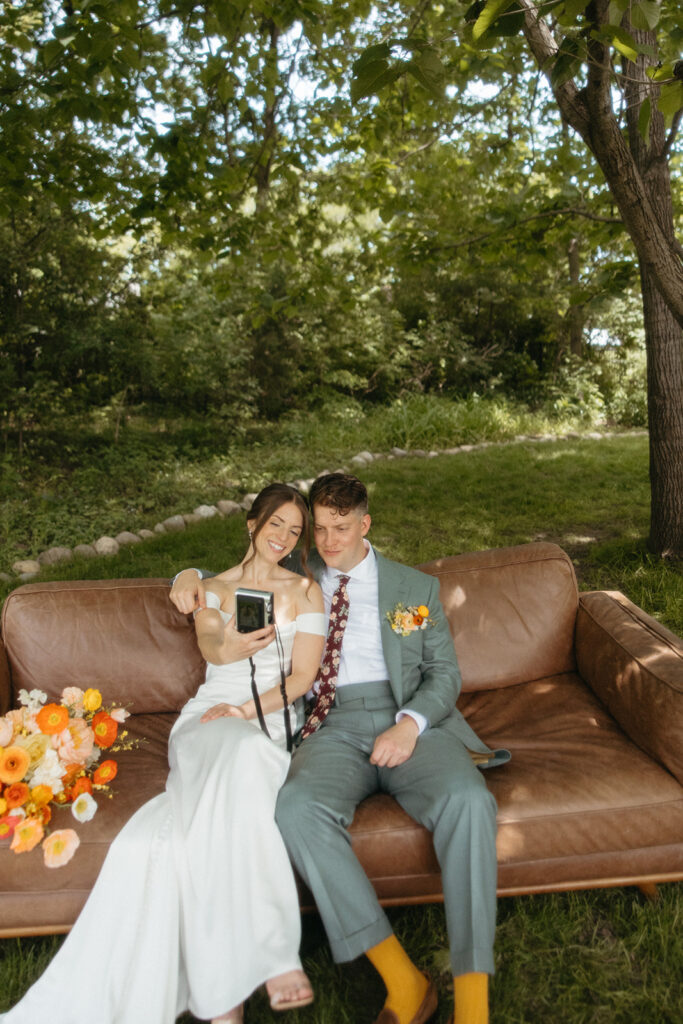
<point x="283" y="691"/>
<point x="257" y="699"/>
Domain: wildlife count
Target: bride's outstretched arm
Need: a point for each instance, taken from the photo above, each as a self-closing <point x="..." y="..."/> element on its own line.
<point x="221" y="643"/>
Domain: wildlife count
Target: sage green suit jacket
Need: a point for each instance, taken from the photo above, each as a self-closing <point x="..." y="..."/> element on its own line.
<point x="423" y="667"/>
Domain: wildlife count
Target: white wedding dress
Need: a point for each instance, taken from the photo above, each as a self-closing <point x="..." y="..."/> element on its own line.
<point x="195" y="905"/>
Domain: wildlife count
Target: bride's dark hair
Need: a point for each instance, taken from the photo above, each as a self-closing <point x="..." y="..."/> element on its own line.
<point x="268" y="501"/>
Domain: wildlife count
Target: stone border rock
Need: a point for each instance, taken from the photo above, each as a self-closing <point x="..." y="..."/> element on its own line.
<point x="26" y="569"/>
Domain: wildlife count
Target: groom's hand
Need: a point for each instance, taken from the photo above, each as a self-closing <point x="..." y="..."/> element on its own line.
<point x="187" y="592"/>
<point x="395" y="745"/>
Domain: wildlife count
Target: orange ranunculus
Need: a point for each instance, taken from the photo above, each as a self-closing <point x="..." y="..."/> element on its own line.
<point x="104" y="773"/>
<point x="105" y="729"/>
<point x="41" y="795"/>
<point x="45" y="814"/>
<point x="70" y="773"/>
<point x="82" y="785"/>
<point x="16" y="794"/>
<point x="423" y="610"/>
<point x="59" y="848"/>
<point x="27" y="834"/>
<point x="13" y="764"/>
<point x="418" y="619"/>
<point x="52" y="719"/>
<point x="92" y="699"/>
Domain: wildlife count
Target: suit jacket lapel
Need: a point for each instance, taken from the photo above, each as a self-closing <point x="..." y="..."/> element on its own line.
<point x="387" y="597"/>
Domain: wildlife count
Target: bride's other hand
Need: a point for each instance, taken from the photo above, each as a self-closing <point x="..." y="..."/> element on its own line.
<point x="223" y="711"/>
<point x="188" y="592"/>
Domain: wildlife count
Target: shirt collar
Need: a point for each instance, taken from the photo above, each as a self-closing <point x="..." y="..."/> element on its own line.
<point x="364" y="572"/>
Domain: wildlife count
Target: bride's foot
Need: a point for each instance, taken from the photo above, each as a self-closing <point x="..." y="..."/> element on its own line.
<point x="289" y="991"/>
<point x="234" y="1016"/>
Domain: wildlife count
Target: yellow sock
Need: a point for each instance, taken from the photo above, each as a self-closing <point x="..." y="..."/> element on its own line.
<point x="471" y="998"/>
<point x="406" y="985"/>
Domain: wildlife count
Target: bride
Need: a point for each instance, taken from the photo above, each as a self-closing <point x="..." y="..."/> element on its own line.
<point x="196" y="904"/>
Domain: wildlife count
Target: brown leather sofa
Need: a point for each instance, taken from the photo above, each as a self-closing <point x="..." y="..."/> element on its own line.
<point x="586" y="690"/>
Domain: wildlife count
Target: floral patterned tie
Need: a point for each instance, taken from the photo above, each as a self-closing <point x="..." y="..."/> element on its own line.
<point x="326" y="680"/>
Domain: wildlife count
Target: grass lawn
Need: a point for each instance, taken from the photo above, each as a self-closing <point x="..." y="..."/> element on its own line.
<point x="599" y="956"/>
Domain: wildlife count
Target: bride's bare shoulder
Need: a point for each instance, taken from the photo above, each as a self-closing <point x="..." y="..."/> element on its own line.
<point x="309" y="596"/>
<point x="229" y="576"/>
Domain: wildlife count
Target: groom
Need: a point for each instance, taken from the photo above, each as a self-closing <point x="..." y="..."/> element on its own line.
<point x="388" y="723"/>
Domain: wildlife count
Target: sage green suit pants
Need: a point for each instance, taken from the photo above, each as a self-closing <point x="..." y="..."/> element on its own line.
<point x="438" y="786"/>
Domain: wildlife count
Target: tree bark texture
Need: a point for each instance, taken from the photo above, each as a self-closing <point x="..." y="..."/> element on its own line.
<point x="663" y="335"/>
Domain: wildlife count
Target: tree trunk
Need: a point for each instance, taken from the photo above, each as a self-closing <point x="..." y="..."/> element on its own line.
<point x="664" y="340"/>
<point x="663" y="335"/>
<point x="638" y="177"/>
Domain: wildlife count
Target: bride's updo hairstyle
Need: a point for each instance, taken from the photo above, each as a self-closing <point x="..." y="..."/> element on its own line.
<point x="267" y="502"/>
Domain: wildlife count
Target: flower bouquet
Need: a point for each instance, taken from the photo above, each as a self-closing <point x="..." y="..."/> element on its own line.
<point x="405" y="619"/>
<point x="50" y="756"/>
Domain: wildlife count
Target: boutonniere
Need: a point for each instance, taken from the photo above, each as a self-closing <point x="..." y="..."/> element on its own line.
<point x="405" y="619"/>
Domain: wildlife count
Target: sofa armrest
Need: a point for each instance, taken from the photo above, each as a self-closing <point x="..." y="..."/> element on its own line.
<point x="635" y="666"/>
<point x="5" y="681"/>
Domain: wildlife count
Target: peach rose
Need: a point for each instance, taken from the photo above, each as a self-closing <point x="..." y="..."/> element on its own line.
<point x="75" y="743"/>
<point x="16" y="717"/>
<point x="6" y="731"/>
<point x="72" y="697"/>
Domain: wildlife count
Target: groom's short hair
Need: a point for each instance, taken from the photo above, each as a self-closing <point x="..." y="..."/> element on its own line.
<point x="341" y="491"/>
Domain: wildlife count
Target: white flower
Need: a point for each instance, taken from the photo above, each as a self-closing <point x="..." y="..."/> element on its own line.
<point x="84" y="807"/>
<point x="119" y="715"/>
<point x="32" y="700"/>
<point x="49" y="772"/>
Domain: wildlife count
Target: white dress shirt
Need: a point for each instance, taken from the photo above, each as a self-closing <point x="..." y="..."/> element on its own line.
<point x="362" y="657"/>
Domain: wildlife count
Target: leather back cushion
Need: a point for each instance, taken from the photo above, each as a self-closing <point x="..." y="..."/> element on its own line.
<point x="123" y="637"/>
<point x="511" y="613"/>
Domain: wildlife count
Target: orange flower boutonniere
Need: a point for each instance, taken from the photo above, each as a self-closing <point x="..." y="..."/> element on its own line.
<point x="405" y="619"/>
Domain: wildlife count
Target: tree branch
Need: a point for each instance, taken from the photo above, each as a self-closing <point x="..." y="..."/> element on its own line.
<point x="673" y="132"/>
<point x="566" y="211"/>
<point x="545" y="49"/>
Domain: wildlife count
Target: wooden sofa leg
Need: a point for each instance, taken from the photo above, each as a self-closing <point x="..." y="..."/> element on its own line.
<point x="649" y="890"/>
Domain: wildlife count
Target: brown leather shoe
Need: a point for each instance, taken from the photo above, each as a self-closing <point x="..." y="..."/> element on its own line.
<point x="425" y="1010"/>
